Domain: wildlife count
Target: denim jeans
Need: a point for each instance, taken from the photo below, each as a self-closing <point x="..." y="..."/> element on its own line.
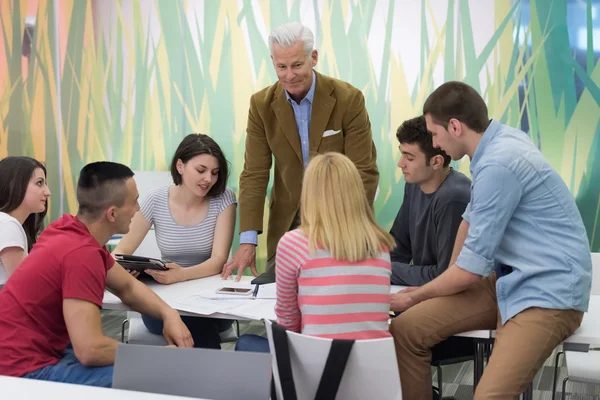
<point x="70" y="370"/>
<point x="252" y="343"/>
<point x="205" y="331"/>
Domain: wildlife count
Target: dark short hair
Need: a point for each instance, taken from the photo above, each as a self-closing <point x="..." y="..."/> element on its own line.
<point x="100" y="186"/>
<point x="415" y="131"/>
<point x="196" y="144"/>
<point x="15" y="174"/>
<point x="457" y="100"/>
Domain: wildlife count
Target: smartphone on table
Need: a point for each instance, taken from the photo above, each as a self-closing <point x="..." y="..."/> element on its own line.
<point x="234" y="290"/>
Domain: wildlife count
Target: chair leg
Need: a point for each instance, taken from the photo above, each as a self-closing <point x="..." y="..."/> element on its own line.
<point x="564" y="387"/>
<point x="556" y="361"/>
<point x="440" y="381"/>
<point x="125" y="321"/>
<point x="237" y="327"/>
<point x="478" y="362"/>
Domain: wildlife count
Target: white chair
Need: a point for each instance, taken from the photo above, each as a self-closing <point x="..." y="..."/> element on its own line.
<point x="137" y="333"/>
<point x="147" y="181"/>
<point x="583" y="367"/>
<point x="371" y="371"/>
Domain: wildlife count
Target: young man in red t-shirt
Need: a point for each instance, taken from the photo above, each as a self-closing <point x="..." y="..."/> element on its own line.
<point x="50" y="324"/>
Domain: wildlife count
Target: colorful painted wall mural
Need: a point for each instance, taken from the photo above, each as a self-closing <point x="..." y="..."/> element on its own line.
<point x="125" y="80"/>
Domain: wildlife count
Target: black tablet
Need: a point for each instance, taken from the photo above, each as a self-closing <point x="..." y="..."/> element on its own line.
<point x="137" y="263"/>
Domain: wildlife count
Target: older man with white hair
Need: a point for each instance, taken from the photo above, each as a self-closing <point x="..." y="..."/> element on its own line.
<point x="304" y="113"/>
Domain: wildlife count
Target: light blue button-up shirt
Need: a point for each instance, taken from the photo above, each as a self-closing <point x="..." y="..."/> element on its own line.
<point x="522" y="215"/>
<point x="302" y="114"/>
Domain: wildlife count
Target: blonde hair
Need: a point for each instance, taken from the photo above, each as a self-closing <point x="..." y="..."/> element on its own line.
<point x="335" y="213"/>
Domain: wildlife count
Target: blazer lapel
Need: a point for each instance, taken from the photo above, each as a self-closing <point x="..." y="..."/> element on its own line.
<point x="287" y="121"/>
<point x="322" y="106"/>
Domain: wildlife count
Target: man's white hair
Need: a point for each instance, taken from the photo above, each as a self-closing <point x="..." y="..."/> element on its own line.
<point x="288" y="34"/>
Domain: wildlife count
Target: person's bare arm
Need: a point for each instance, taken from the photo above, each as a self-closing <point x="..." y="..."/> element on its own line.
<point x="461" y="235"/>
<point x="84" y="325"/>
<point x="143" y="300"/>
<point x="11" y="258"/>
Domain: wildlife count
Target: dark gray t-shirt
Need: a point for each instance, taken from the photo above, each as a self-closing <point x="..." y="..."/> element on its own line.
<point x="425" y="229"/>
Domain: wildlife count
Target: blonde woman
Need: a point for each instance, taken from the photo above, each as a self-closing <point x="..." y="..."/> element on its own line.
<point x="333" y="272"/>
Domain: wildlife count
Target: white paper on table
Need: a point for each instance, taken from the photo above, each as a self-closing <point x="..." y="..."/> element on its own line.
<point x="257" y="309"/>
<point x="200" y="305"/>
<point x="267" y="291"/>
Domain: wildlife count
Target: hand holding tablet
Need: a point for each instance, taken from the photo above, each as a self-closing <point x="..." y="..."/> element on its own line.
<point x="137" y="263"/>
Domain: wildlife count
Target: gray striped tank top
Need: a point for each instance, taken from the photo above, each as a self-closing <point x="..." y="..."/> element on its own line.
<point x="183" y="245"/>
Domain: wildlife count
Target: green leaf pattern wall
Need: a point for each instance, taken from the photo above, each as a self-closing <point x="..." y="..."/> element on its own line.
<point x="125" y="80"/>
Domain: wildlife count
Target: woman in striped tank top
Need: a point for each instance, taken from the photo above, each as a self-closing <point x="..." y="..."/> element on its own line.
<point x="333" y="272"/>
<point x="193" y="220"/>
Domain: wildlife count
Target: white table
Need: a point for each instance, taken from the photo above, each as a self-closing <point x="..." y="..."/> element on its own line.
<point x="170" y="294"/>
<point x="30" y="389"/>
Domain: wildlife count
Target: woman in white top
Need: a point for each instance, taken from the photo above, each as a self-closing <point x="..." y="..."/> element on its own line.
<point x="23" y="204"/>
<point x="194" y="222"/>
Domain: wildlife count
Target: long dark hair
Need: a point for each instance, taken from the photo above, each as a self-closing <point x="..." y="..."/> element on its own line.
<point x="196" y="144"/>
<point x="15" y="174"/>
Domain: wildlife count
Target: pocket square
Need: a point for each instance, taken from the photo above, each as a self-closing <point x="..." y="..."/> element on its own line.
<point x="331" y="132"/>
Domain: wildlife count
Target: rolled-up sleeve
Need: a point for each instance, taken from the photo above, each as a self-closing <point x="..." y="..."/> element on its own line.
<point x="467" y="213"/>
<point x="495" y="194"/>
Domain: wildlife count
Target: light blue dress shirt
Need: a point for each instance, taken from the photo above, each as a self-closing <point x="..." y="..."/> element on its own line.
<point x="302" y="114"/>
<point x="522" y="215"/>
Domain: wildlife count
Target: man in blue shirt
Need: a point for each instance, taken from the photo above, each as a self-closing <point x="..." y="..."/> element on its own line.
<point x="521" y="262"/>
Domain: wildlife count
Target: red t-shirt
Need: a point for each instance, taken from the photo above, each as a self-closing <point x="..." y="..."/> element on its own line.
<point x="66" y="262"/>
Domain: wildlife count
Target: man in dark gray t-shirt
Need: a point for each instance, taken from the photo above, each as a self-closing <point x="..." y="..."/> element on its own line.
<point x="435" y="197"/>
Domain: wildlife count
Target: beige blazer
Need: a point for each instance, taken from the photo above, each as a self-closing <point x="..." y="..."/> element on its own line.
<point x="272" y="134"/>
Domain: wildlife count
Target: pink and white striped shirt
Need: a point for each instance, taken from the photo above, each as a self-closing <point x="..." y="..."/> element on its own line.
<point x="320" y="296"/>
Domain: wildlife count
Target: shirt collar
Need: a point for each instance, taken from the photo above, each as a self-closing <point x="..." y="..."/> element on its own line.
<point x="311" y="92"/>
<point x="486" y="138"/>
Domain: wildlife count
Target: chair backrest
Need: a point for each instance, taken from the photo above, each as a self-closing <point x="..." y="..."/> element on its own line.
<point x="371" y="371"/>
<point x="147" y="181"/>
<point x="148" y="247"/>
<point x="205" y="373"/>
<point x="596" y="273"/>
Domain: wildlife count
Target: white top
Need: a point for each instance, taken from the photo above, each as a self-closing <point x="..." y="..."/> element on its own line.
<point x="186" y="245"/>
<point x="26" y="389"/>
<point x="12" y="234"/>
